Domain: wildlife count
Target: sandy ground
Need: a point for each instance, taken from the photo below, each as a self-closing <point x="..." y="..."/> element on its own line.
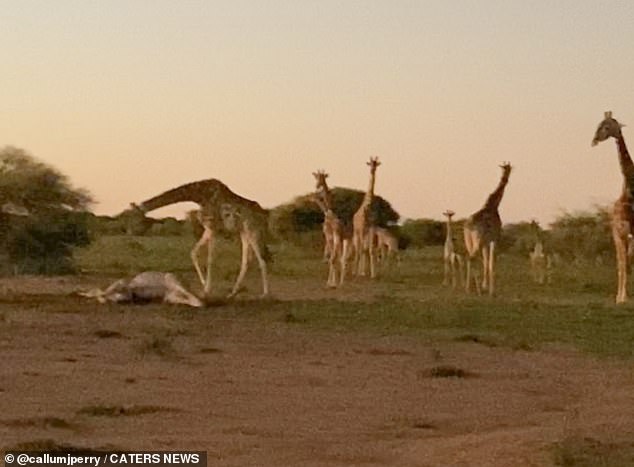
<point x="259" y="393"/>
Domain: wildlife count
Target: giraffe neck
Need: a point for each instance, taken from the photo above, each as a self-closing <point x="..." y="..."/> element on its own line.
<point x="189" y="192"/>
<point x="327" y="196"/>
<point x="369" y="194"/>
<point x="449" y="233"/>
<point x="205" y="193"/>
<point x="494" y="199"/>
<point x="627" y="166"/>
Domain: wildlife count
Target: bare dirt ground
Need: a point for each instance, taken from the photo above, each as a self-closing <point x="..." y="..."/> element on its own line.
<point x="270" y="393"/>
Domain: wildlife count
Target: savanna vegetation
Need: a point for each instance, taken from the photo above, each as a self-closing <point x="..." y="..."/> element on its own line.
<point x="47" y="228"/>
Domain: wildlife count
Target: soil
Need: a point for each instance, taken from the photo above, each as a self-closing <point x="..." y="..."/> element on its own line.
<point x="253" y="392"/>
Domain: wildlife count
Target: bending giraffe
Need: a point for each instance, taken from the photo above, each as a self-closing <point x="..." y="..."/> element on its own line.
<point x="341" y="241"/>
<point x="622" y="220"/>
<point x="451" y="259"/>
<point x="482" y="232"/>
<point x="220" y="209"/>
<point x="322" y="186"/>
<point x="362" y="224"/>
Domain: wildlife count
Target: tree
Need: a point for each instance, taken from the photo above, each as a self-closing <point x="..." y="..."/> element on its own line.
<point x="57" y="221"/>
<point x="583" y="235"/>
<point x="425" y="232"/>
<point x="302" y="215"/>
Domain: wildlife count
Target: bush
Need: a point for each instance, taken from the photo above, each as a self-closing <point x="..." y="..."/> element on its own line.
<point x="582" y="235"/>
<point x="287" y="221"/>
<point x="425" y="232"/>
<point x="54" y="220"/>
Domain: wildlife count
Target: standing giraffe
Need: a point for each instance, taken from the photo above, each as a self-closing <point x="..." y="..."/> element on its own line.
<point x="481" y="233"/>
<point x="322" y="186"/>
<point x="341" y="236"/>
<point x="386" y="244"/>
<point x="363" y="227"/>
<point x="452" y="260"/>
<point x="220" y="209"/>
<point x="622" y="221"/>
<point x="541" y="262"/>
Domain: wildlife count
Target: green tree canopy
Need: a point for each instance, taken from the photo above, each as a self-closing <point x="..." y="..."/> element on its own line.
<point x="56" y="219"/>
<point x="302" y="215"/>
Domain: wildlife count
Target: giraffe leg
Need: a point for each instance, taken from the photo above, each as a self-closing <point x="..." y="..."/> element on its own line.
<point x="371" y="254"/>
<point x="204" y="238"/>
<point x="178" y="294"/>
<point x="356" y="253"/>
<point x="445" y="280"/>
<point x="621" y="265"/>
<point x="332" y="264"/>
<point x="467" y="285"/>
<point x="460" y="272"/>
<point x="210" y="255"/>
<point x="491" y="268"/>
<point x="244" y="265"/>
<point x="344" y="260"/>
<point x="255" y="247"/>
<point x="485" y="267"/>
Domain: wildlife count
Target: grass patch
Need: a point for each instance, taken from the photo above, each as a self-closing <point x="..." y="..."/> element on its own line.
<point x="37" y="422"/>
<point x="590" y="452"/>
<point x="446" y="371"/>
<point x="162" y="346"/>
<point x="107" y="334"/>
<point x="122" y="411"/>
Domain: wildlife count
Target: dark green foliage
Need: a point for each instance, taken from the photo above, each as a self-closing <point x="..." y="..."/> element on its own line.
<point x="424" y="232"/>
<point x="43" y="240"/>
<point x="582" y="236"/>
<point x="520" y="238"/>
<point x="302" y="215"/>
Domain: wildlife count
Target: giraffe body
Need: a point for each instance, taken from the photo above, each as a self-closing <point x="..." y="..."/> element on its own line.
<point x="452" y="260"/>
<point x="340" y="234"/>
<point x="362" y="224"/>
<point x="481" y="234"/>
<point x="220" y="210"/>
<point x="322" y="187"/>
<point x="622" y="219"/>
<point x="149" y="286"/>
<point x="386" y="244"/>
<point x="540" y="261"/>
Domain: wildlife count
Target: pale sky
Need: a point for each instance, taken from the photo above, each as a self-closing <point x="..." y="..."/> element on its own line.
<point x="130" y="98"/>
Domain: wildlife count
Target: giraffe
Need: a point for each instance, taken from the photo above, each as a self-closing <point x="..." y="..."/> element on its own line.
<point x="386" y="244"/>
<point x="622" y="219"/>
<point x="220" y="209"/>
<point x="363" y="228"/>
<point x="341" y="240"/>
<point x="149" y="286"/>
<point x="481" y="233"/>
<point x="541" y="262"/>
<point x="322" y="185"/>
<point x="452" y="260"/>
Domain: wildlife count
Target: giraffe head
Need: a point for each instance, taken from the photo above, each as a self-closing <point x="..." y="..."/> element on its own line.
<point x="320" y="177"/>
<point x="373" y="163"/>
<point x="609" y="127"/>
<point x="448" y="214"/>
<point x="506" y="169"/>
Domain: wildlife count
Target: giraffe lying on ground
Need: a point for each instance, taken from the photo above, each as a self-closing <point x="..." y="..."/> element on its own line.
<point x="149" y="286"/>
